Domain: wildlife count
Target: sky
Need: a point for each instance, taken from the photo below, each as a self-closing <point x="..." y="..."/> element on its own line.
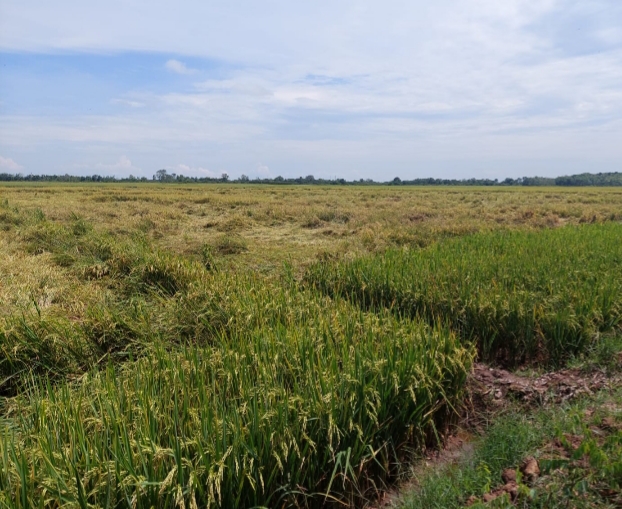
<point x="341" y="88"/>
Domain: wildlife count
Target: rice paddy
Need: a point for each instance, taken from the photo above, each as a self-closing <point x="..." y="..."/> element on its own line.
<point x="230" y="346"/>
<point x="519" y="296"/>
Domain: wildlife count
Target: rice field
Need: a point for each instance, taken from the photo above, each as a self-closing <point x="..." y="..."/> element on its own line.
<point x="295" y="416"/>
<point x="520" y="296"/>
<point x="222" y="346"/>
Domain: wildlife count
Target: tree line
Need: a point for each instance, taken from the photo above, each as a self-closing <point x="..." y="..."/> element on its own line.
<point x="162" y="176"/>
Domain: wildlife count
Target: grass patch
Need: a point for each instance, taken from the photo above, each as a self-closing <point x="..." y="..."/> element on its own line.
<point x="578" y="448"/>
<point x="505" y="444"/>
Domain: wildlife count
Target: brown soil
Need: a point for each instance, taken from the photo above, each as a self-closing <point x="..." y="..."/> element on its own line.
<point x="495" y="385"/>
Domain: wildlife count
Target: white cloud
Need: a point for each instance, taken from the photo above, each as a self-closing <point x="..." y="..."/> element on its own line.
<point x="245" y="84"/>
<point x="610" y="35"/>
<point x="6" y="163"/>
<point x="123" y="167"/>
<point x="409" y="85"/>
<point x="122" y="164"/>
<point x="178" y="67"/>
<point x="263" y="170"/>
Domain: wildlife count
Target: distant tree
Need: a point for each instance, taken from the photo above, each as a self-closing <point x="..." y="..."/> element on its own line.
<point x="161" y="175"/>
<point x="589" y="179"/>
<point x="537" y="181"/>
<point x="243" y="178"/>
<point x="224" y="177"/>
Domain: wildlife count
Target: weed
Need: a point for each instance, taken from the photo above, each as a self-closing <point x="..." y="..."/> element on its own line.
<point x="576" y="446"/>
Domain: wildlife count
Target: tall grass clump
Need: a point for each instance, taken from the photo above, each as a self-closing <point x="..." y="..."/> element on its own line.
<point x="299" y="416"/>
<point x="521" y="295"/>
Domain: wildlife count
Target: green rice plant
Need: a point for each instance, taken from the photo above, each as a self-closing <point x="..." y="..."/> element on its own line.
<point x="239" y="302"/>
<point x="153" y="297"/>
<point x="521" y="295"/>
<point x="125" y="327"/>
<point x="139" y="269"/>
<point x="36" y="344"/>
<point x="41" y="345"/>
<point x="298" y="416"/>
<point x="277" y="396"/>
<point x="9" y="216"/>
<point x="207" y="257"/>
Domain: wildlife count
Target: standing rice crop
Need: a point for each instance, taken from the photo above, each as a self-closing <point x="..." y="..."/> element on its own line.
<point x="520" y="295"/>
<point x="296" y="415"/>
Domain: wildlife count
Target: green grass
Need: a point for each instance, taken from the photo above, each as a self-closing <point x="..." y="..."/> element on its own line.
<point x="589" y="476"/>
<point x="505" y="444"/>
<point x="521" y="295"/>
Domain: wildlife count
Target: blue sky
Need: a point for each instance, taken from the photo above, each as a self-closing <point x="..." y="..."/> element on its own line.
<point x="353" y="89"/>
